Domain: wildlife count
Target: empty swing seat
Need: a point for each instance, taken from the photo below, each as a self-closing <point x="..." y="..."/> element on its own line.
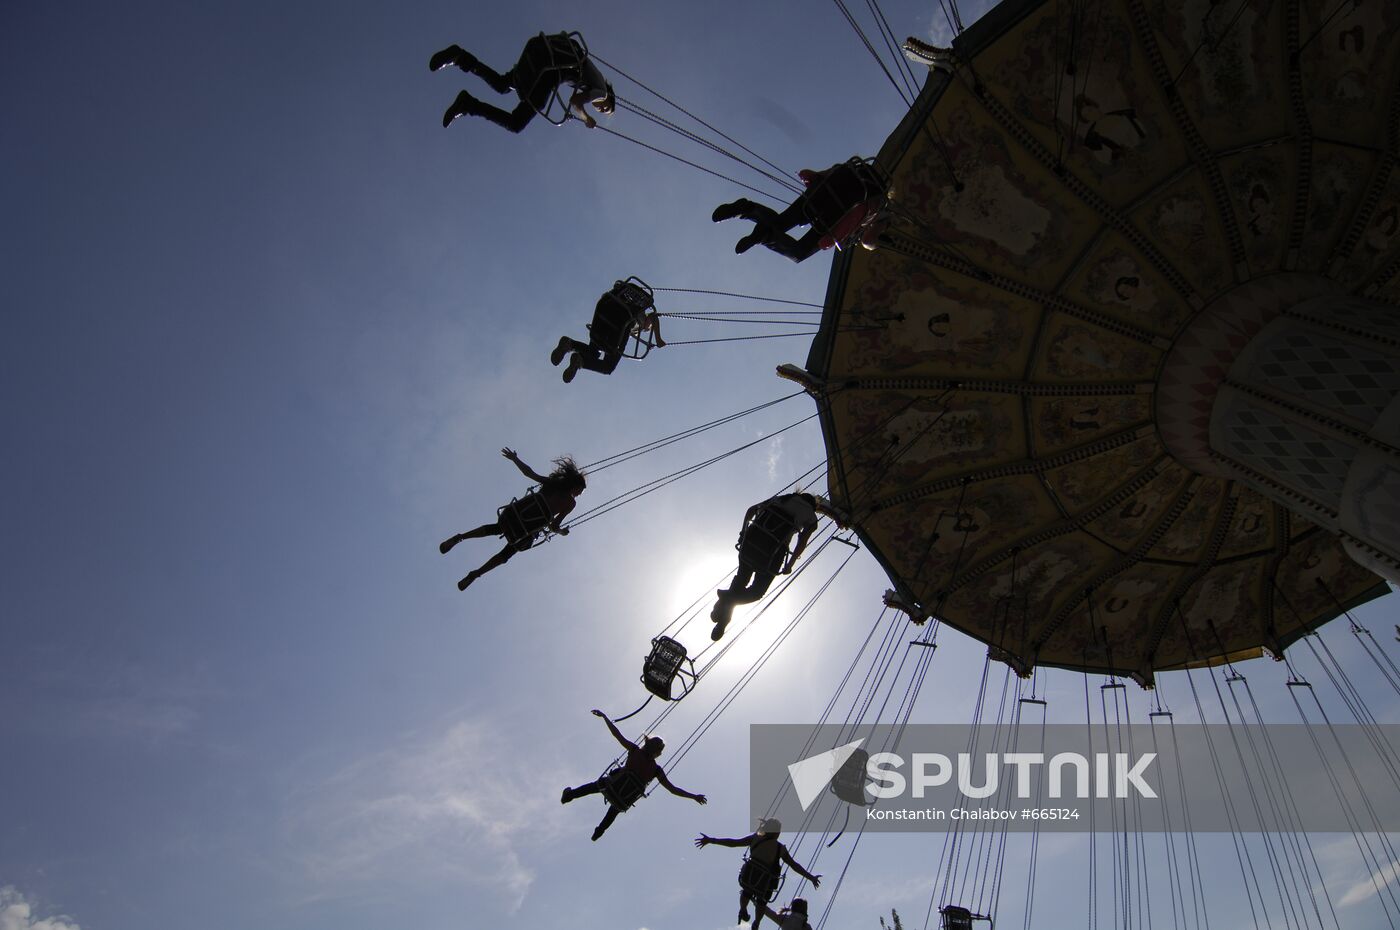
<point x="848" y="783"/>
<point x="664" y="664"/>
<point x="523" y="519"/>
<point x="959" y="918"/>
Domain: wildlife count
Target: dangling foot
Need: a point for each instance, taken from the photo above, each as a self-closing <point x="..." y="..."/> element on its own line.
<point x="743" y="915"/>
<point x="597" y="832"/>
<point x="720" y="615"/>
<point x="452" y="55"/>
<point x="575" y="363"/>
<point x="727" y="211"/>
<point x="464" y="105"/>
<point x="561" y="350"/>
<point x="567" y="796"/>
<point x="744" y="244"/>
<point x="471" y="576"/>
<point x="447" y="544"/>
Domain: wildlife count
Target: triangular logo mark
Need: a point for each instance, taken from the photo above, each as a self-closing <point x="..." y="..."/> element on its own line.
<point x="811" y="776"/>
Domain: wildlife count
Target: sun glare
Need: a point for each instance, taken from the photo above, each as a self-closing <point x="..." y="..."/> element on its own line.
<point x="699" y="579"/>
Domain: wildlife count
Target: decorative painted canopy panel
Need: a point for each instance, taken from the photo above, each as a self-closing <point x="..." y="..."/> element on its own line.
<point x="1067" y="200"/>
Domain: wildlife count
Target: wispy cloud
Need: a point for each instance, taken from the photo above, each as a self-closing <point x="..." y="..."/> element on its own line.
<point x="1366" y="888"/>
<point x="453" y="806"/>
<point x="16" y="913"/>
<point x="1343" y="869"/>
<point x="775" y="455"/>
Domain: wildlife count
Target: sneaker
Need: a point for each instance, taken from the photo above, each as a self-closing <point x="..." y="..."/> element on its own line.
<point x="471" y="576"/>
<point x="746" y="243"/>
<point x="452" y="55"/>
<point x="559" y="352"/>
<point x="575" y="363"/>
<point x="567" y="796"/>
<point x="447" y="544"/>
<point x="721" y="622"/>
<point x="464" y="105"/>
<point x="597" y="832"/>
<point x="743" y="915"/>
<point x="727" y="211"/>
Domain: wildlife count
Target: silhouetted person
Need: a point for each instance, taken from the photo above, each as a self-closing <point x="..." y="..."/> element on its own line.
<point x="523" y="521"/>
<point x="758" y="879"/>
<point x="839" y="202"/>
<point x="546" y="62"/>
<point x="624" y="786"/>
<point x="763" y="551"/>
<point x="614" y="322"/>
<point x="792" y="917"/>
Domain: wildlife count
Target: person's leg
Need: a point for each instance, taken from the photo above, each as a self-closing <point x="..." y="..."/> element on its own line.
<point x="454" y="54"/>
<point x="723" y="611"/>
<point x="794" y="215"/>
<point x="572" y="794"/>
<point x="741" y="580"/>
<point x="486" y="529"/>
<point x="606" y="822"/>
<point x="591" y="357"/>
<point x="768" y="225"/>
<point x="799" y="250"/>
<point x="500" y="83"/>
<point x="565" y="346"/>
<point x="743" y="906"/>
<point x="597" y="358"/>
<point x="496" y="561"/>
<point x="467" y="105"/>
<point x="751" y="593"/>
<point x="746" y="209"/>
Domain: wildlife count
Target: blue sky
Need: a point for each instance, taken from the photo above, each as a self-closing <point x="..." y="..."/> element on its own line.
<point x="267" y="325"/>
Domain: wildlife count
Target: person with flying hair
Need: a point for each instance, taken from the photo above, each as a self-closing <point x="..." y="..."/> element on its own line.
<point x="521" y="522"/>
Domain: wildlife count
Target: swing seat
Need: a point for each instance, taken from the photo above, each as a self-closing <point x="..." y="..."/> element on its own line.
<point x="555" y="58"/>
<point x="523" y="520"/>
<point x="634" y="299"/>
<point x="622" y="788"/>
<point x="761" y="882"/>
<point x="848" y="783"/>
<point x="841" y="200"/>
<point x="960" y="918"/>
<point x="763" y="545"/>
<point x="664" y="665"/>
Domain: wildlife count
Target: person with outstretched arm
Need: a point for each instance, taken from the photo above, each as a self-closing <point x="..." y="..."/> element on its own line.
<point x="763" y="866"/>
<point x="624" y="786"/>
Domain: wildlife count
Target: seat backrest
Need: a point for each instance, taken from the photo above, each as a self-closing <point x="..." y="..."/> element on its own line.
<point x="661" y="665"/>
<point x="561" y="53"/>
<point x="622" y="788"/>
<point x="842" y="189"/>
<point x="848" y="783"/>
<point x="760" y="879"/>
<point x="523" y="518"/>
<point x="956" y="918"/>
<point x="633" y="295"/>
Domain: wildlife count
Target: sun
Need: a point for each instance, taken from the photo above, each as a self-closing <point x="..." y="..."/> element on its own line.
<point x="692" y="597"/>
